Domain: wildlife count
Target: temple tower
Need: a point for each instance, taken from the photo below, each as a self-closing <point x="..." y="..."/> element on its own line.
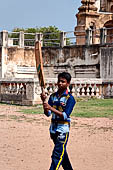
<point x="86" y="18"/>
<point x="93" y="15"/>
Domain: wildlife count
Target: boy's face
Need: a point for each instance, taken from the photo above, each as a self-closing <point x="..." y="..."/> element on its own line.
<point x="62" y="83"/>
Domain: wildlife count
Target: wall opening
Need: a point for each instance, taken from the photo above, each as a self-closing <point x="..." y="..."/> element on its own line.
<point x="109" y="26"/>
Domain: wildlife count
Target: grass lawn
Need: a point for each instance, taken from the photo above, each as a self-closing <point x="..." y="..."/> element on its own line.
<point x="94" y="108"/>
<point x="84" y="108"/>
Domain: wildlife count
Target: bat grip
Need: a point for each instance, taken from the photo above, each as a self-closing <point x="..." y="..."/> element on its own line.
<point x="43" y="92"/>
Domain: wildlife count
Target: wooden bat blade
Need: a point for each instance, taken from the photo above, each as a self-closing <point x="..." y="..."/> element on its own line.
<point x="39" y="63"/>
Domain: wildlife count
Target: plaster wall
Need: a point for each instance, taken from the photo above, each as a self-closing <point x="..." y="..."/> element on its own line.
<point x="106" y="63"/>
<point x="80" y="61"/>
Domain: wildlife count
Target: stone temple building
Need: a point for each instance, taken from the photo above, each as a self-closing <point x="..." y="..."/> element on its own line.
<point x="94" y="15"/>
<point x="89" y="60"/>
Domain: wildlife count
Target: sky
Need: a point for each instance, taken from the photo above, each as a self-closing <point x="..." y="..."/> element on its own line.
<point x="38" y="13"/>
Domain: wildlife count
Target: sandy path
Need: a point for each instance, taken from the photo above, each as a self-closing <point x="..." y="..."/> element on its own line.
<point x="25" y="143"/>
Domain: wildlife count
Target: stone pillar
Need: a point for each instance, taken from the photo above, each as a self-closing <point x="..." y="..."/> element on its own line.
<point x="4" y="38"/>
<point x="97" y="4"/>
<point x="39" y="37"/>
<point x="103" y="35"/>
<point x="4" y="45"/>
<point x="21" y="39"/>
<point x="33" y="92"/>
<point x="37" y="92"/>
<point x="80" y="35"/>
<point x="62" y="39"/>
<point x="89" y="36"/>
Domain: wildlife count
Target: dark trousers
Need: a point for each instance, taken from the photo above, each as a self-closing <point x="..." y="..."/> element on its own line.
<point x="59" y="155"/>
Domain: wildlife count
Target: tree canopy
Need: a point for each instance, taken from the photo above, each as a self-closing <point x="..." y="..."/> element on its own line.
<point x="51" y="34"/>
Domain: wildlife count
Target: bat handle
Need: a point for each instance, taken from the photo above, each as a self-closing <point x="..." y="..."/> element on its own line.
<point x="43" y="92"/>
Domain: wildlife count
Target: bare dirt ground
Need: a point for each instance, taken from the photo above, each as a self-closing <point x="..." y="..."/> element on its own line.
<point x="25" y="143"/>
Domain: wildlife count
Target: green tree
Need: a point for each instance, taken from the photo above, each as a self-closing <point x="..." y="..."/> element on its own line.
<point x="51" y="34"/>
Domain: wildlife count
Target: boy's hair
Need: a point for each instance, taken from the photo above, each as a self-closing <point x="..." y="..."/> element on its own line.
<point x="65" y="75"/>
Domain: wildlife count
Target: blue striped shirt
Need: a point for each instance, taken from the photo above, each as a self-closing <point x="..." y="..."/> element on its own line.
<point x="64" y="104"/>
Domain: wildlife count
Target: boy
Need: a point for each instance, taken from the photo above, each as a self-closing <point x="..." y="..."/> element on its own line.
<point x="60" y="105"/>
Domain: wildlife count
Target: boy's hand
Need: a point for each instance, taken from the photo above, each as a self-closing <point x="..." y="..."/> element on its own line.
<point x="43" y="97"/>
<point x="46" y="106"/>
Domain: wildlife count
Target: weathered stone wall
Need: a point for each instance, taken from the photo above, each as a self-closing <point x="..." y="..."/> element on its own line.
<point x="106" y="63"/>
<point x="0" y="61"/>
<point x="90" y="66"/>
<point x="80" y="61"/>
<point x="18" y="57"/>
<point x="103" y="18"/>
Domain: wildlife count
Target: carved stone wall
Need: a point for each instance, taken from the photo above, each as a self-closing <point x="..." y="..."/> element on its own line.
<point x="80" y="61"/>
<point x="106" y="63"/>
<point x="16" y="59"/>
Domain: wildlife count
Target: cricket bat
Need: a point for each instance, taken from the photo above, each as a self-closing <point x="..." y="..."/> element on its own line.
<point x="39" y="65"/>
